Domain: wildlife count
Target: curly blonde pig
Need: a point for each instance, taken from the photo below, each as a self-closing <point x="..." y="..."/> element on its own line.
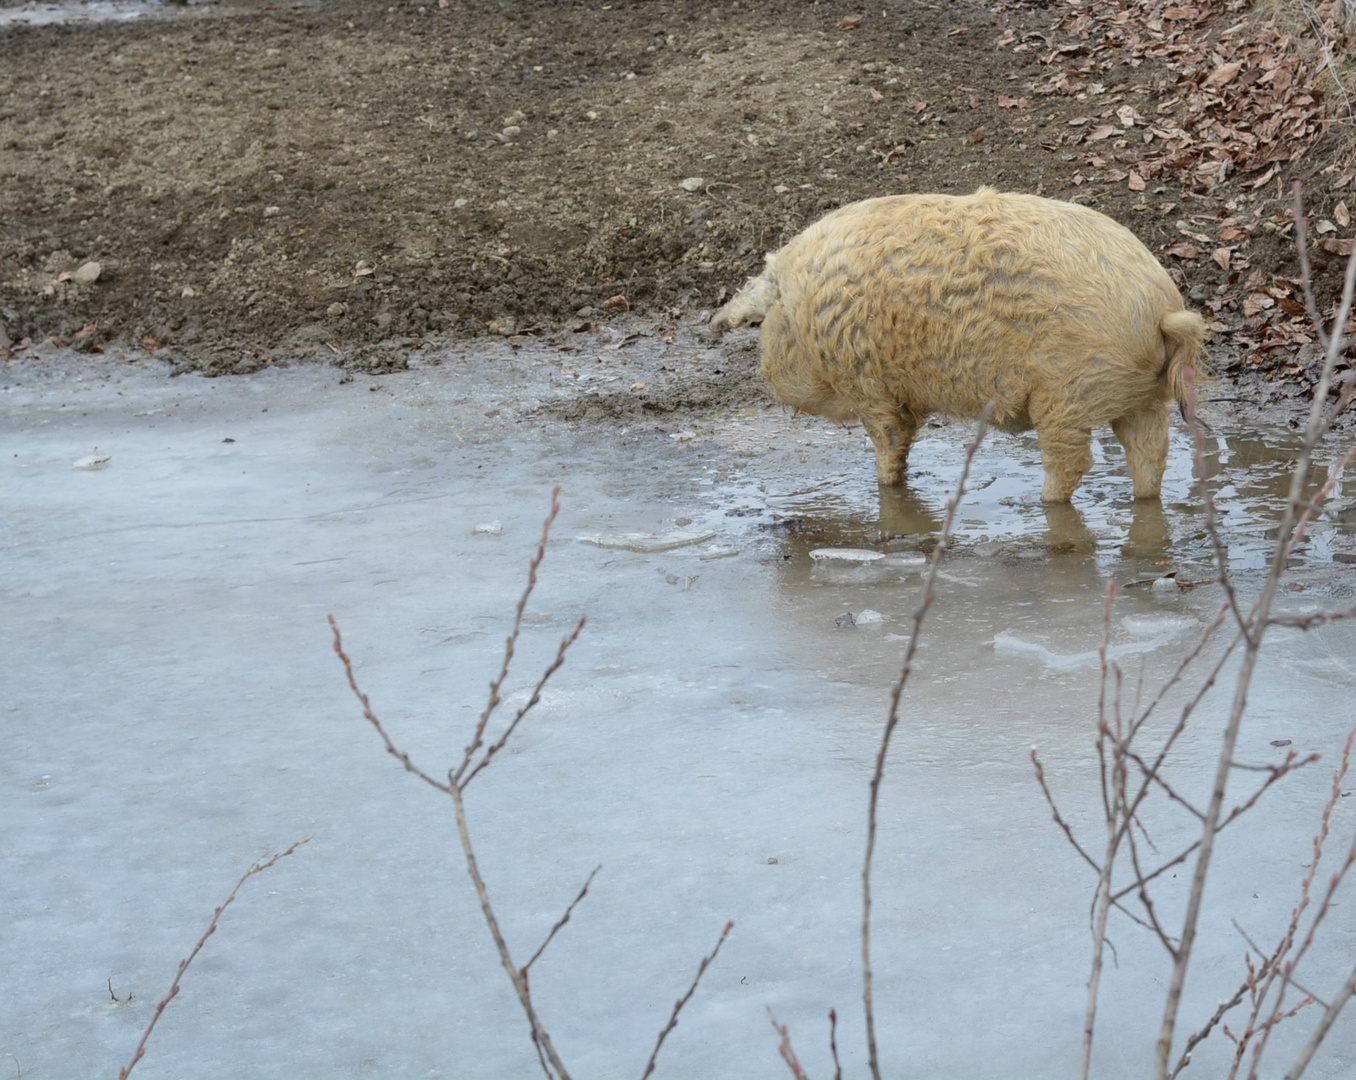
<point x="890" y="309"/>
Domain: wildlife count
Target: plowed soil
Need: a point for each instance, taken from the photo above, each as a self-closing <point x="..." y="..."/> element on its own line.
<point x="267" y="184"/>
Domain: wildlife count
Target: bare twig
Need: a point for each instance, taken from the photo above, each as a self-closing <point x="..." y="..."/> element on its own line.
<point x="372" y="718"/>
<point x="477" y="739"/>
<point x="516" y="976"/>
<point x="462" y="775"/>
<point x="562" y="920"/>
<point x="678" y="1005"/>
<point x="929" y="594"/>
<point x="1254" y="627"/>
<point x="784" y="1048"/>
<point x="833" y="1045"/>
<point x="258" y="867"/>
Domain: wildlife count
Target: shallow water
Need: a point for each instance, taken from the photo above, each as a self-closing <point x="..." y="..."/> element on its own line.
<point x="173" y="710"/>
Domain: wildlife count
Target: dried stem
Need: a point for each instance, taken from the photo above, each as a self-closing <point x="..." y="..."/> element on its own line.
<point x="833" y="1045"/>
<point x="562" y="920"/>
<point x="258" y="867"/>
<point x="678" y="1005"/>
<point x="1254" y="627"/>
<point x="477" y="739"/>
<point x="465" y="772"/>
<point x="516" y="975"/>
<point x="892" y="721"/>
<point x="784" y="1048"/>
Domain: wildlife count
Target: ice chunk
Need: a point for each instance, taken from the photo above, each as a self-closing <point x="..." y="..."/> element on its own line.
<point x="718" y="551"/>
<point x="92" y="461"/>
<point x="855" y="555"/>
<point x="488" y="528"/>
<point x="866" y="617"/>
<point x="649" y="542"/>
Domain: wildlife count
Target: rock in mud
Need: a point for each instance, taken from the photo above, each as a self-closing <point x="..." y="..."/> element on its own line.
<point x="87" y="273"/>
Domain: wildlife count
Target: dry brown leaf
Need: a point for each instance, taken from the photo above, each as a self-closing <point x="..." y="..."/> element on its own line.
<point x="850" y="22"/>
<point x="1225" y="73"/>
<point x="1335" y="246"/>
<point x="974" y="101"/>
<point x="1005" y="102"/>
<point x="1342" y="214"/>
<point x="958" y="31"/>
<point x="1221" y="256"/>
<point x="976" y="136"/>
<point x="876" y="95"/>
<point x="1136" y="182"/>
<point x="1183" y="250"/>
<point x="1264" y="178"/>
<point x="617" y="303"/>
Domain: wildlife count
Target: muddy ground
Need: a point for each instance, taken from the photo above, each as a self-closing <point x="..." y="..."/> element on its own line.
<point x="343" y="182"/>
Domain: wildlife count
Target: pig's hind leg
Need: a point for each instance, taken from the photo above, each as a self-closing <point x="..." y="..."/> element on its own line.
<point x="892" y="433"/>
<point x="1144" y="434"/>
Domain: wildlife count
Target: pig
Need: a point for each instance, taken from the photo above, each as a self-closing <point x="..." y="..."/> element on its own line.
<point x="891" y="309"/>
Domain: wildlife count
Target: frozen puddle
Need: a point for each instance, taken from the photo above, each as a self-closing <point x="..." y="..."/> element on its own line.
<point x="173" y="710"/>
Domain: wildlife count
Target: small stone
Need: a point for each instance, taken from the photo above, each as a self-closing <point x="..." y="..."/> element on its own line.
<point x="92" y="461"/>
<point x="510" y="131"/>
<point x="692" y="183"/>
<point x="87" y="274"/>
<point x="845" y="620"/>
<point x="457" y="204"/>
<point x="504" y="325"/>
<point x="272" y="211"/>
<point x="1280" y="742"/>
<point x="189" y="292"/>
<point x="335" y="310"/>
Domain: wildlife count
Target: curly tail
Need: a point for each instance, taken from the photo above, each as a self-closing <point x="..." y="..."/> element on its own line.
<point x="1183" y="333"/>
<point x="751" y="303"/>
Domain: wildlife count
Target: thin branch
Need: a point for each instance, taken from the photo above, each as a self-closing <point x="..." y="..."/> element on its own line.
<point x="477" y="738"/>
<point x="1321" y="1030"/>
<point x="532" y="701"/>
<point x="929" y="593"/>
<point x="1254" y="628"/>
<point x="784" y="1048"/>
<point x="516" y="976"/>
<point x="258" y="867"/>
<point x="372" y="719"/>
<point x="562" y="920"/>
<point x="833" y="1045"/>
<point x="1308" y="622"/>
<point x="678" y="1005"/>
<point x="457" y="780"/>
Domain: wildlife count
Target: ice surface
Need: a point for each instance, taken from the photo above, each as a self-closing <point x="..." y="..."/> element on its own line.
<point x="173" y="710"/>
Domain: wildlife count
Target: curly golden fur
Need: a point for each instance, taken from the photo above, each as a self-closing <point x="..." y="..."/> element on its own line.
<point x="890" y="309"/>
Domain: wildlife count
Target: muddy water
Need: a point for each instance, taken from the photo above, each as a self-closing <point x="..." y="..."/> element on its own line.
<point x="173" y="710"/>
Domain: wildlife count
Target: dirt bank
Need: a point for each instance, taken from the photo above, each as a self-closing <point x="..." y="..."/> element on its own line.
<point x="342" y="182"/>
